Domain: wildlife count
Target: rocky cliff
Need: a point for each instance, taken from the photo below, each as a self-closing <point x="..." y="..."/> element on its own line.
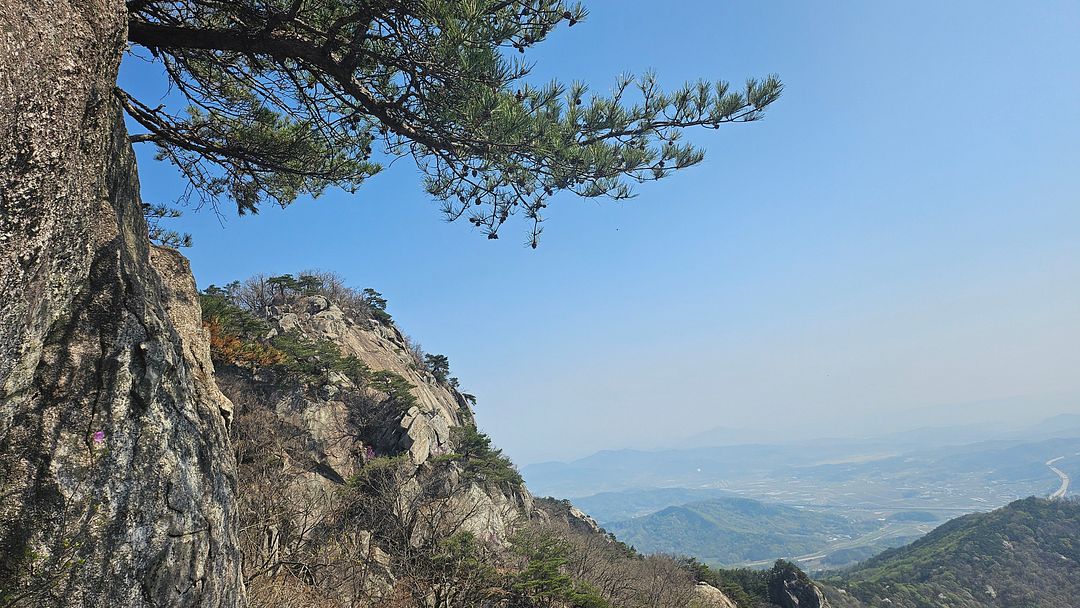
<point x="116" y="474"/>
<point x="423" y="429"/>
<point x="364" y="480"/>
<point x="350" y="454"/>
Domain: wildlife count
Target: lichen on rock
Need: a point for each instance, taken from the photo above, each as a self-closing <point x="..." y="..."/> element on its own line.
<point x="117" y="479"/>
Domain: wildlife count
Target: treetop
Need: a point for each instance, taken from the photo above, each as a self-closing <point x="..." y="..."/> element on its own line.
<point x="289" y="97"/>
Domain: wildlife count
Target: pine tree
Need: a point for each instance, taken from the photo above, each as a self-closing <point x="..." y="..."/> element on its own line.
<point x="438" y="365"/>
<point x="290" y="97"/>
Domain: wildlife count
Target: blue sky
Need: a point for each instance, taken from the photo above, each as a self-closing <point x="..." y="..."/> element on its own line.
<point x="896" y="244"/>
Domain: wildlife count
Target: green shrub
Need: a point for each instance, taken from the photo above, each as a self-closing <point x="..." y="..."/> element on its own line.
<point x="441" y="458"/>
<point x="376" y="305"/>
<point x="217" y="306"/>
<point x="544" y="577"/>
<point x="745" y="586"/>
<point x="482" y="461"/>
<point x="306" y="361"/>
<point x="439" y="366"/>
<point x="396" y="386"/>
<point x="238" y="337"/>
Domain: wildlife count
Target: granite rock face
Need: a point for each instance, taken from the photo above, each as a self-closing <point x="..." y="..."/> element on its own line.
<point x="789" y="587"/>
<point x="115" y="468"/>
<point x="328" y="416"/>
<point x="552" y="509"/>
<point x="303" y="444"/>
<point x="707" y="596"/>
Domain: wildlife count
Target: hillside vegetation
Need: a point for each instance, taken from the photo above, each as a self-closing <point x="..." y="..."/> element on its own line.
<point x="1024" y="555"/>
<point x="608" y="507"/>
<point x="733" y="530"/>
<point x="363" y="479"/>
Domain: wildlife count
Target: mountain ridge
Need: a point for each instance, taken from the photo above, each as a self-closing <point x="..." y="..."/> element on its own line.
<point x="1024" y="554"/>
<point x="733" y="530"/>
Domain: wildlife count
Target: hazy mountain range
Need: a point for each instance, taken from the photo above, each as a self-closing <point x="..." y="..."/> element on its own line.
<point x="823" y="504"/>
<point x="730" y="530"/>
<point x="717" y="466"/>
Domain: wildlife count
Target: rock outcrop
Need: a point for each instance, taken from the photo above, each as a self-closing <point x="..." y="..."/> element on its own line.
<point x="423" y="430"/>
<point x="116" y="477"/>
<point x="707" y="596"/>
<point x="789" y="587"/>
<point x="552" y="509"/>
<point x="308" y="443"/>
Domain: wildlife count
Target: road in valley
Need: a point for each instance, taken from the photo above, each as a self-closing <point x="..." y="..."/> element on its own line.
<point x="1064" y="479"/>
<point x="866" y="539"/>
<point x="878" y="535"/>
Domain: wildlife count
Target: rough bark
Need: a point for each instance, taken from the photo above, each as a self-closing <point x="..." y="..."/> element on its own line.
<point x="116" y="477"/>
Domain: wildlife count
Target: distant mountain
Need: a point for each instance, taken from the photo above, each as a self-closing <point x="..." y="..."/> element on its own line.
<point x="1026" y="554"/>
<point x="874" y="475"/>
<point x="970" y="430"/>
<point x="614" y="470"/>
<point x="607" y="507"/>
<point x="1062" y="425"/>
<point x="988" y="461"/>
<point x="732" y="530"/>
<point x="722" y="435"/>
<point x="905" y="439"/>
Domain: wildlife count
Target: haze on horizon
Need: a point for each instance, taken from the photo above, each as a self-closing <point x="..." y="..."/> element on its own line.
<point x="896" y="245"/>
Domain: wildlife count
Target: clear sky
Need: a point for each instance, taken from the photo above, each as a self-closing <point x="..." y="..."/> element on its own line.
<point x="896" y="244"/>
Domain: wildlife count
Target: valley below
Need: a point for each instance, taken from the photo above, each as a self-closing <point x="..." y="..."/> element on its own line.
<point x="749" y="505"/>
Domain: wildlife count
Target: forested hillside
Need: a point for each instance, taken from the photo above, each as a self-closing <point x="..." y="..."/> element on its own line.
<point x="1026" y="554"/>
<point x="733" y="530"/>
